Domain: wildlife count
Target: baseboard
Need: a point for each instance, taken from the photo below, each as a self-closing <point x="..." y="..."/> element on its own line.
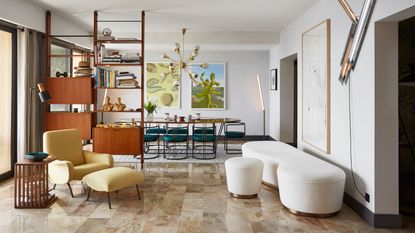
<point x="376" y="220"/>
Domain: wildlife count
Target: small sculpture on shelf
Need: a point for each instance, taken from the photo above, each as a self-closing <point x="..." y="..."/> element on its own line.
<point x="119" y="106"/>
<point x="108" y="106"/>
<point x="133" y="123"/>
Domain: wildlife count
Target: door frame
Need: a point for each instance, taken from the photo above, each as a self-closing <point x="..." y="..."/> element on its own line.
<point x="13" y="109"/>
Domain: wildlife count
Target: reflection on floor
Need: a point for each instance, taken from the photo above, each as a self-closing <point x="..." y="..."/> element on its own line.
<point x="176" y="198"/>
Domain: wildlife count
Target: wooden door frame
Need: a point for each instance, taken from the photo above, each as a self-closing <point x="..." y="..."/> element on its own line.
<point x="13" y="111"/>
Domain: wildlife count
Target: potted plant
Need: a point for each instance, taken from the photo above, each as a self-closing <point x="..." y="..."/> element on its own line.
<point x="151" y="107"/>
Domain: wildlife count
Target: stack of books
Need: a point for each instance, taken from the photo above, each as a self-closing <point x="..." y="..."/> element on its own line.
<point x="115" y="58"/>
<point x="131" y="58"/>
<point x="126" y="80"/>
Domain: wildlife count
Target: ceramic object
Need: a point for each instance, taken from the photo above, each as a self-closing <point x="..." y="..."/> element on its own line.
<point x="36" y="156"/>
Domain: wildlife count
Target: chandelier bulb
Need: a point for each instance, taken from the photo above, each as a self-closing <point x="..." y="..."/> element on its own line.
<point x="204" y="65"/>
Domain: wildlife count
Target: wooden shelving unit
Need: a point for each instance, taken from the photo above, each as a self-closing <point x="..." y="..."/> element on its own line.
<point x="126" y="141"/>
<point x="82" y="90"/>
<point x="68" y="90"/>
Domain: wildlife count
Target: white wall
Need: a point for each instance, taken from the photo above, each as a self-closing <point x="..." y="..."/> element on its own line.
<point x="31" y="15"/>
<point x="366" y="161"/>
<point x="242" y="95"/>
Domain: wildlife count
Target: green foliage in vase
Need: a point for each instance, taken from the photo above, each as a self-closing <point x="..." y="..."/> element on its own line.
<point x="151" y="105"/>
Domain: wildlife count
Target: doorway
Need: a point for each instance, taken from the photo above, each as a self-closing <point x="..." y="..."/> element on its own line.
<point x="7" y="101"/>
<point x="288" y="99"/>
<point x="407" y="117"/>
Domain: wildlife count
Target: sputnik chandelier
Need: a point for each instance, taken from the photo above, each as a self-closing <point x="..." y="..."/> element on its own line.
<point x="182" y="63"/>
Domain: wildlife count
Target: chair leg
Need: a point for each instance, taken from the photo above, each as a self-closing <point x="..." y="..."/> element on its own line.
<point x="54" y="187"/>
<point x="70" y="189"/>
<point x="109" y="200"/>
<point x="138" y="192"/>
<point x="89" y="192"/>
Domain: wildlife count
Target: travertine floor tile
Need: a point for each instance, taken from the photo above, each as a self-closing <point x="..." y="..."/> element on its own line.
<point x="175" y="198"/>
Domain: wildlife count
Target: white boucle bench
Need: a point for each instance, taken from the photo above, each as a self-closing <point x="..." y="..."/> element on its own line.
<point x="307" y="185"/>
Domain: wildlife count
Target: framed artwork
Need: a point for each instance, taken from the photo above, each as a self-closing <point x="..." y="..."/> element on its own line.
<point x="209" y="92"/>
<point x="274" y="79"/>
<point x="164" y="89"/>
<point x="316" y="86"/>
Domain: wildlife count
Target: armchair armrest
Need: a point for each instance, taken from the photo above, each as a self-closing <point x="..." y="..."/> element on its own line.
<point x="92" y="157"/>
<point x="60" y="171"/>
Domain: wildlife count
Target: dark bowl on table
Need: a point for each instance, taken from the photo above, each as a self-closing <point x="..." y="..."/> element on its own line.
<point x="36" y="156"/>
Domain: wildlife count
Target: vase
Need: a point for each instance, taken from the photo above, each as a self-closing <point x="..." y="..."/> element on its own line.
<point x="150" y="115"/>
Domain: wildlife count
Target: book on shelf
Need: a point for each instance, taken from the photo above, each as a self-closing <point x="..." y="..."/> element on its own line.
<point x="115" y="57"/>
<point x="114" y="79"/>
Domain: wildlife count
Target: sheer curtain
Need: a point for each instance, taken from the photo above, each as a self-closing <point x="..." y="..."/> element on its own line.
<point x="31" y="70"/>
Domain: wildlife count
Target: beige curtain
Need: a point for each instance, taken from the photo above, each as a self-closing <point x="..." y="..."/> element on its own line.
<point x="31" y="70"/>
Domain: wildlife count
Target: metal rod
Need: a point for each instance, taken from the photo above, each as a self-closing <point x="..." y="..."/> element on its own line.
<point x="263" y="125"/>
<point x="348" y="10"/>
<point x="71" y="35"/>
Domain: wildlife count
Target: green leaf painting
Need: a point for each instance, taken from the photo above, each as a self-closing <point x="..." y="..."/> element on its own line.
<point x="208" y="92"/>
<point x="162" y="88"/>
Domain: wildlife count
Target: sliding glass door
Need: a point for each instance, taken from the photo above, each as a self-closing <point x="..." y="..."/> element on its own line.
<point x="7" y="101"/>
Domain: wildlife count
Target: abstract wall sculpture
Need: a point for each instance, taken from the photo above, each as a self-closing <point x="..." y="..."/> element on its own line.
<point x="356" y="36"/>
<point x="165" y="90"/>
<point x="316" y="87"/>
<point x="208" y="90"/>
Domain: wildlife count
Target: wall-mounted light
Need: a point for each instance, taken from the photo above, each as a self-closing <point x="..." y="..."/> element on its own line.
<point x="356" y="36"/>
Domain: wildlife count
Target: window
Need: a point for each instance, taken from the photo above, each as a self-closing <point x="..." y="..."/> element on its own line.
<point x="7" y="101"/>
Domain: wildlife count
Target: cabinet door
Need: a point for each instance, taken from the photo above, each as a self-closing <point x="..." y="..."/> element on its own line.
<point x="117" y="141"/>
<point x="125" y="141"/>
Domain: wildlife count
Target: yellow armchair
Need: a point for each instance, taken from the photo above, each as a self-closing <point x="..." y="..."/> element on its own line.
<point x="73" y="163"/>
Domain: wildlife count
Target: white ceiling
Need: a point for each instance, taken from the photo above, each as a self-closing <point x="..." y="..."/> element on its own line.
<point x="199" y="16"/>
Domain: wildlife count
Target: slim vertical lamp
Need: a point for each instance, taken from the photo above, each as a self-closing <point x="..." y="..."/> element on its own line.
<point x="44" y="97"/>
<point x="262" y="106"/>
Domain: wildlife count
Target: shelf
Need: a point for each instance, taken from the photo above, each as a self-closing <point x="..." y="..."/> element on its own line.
<point x="100" y="110"/>
<point x="57" y="112"/>
<point x="118" y="64"/>
<point x="81" y="77"/>
<point x="69" y="55"/>
<point x="121" y="88"/>
<point x="119" y="41"/>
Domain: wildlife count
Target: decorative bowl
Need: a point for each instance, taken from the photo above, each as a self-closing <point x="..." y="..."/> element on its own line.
<point x="36" y="156"/>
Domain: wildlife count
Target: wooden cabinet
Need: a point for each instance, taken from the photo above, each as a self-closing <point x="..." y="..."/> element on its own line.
<point x="69" y="120"/>
<point x="118" y="141"/>
<point x="70" y="90"/>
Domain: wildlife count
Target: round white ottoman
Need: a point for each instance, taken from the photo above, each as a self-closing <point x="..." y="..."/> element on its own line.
<point x="243" y="176"/>
<point x="311" y="187"/>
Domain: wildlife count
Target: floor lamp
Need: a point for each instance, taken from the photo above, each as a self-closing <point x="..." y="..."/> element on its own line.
<point x="262" y="106"/>
<point x="44" y="97"/>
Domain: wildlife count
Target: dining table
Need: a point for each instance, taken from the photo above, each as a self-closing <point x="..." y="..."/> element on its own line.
<point x="222" y="121"/>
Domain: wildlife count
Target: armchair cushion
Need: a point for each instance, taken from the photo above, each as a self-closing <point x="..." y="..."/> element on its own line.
<point x="82" y="170"/>
<point x="92" y="157"/>
<point x="60" y="172"/>
<point x="64" y="145"/>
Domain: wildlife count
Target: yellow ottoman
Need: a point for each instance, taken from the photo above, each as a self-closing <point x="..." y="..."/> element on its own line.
<point x="113" y="179"/>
